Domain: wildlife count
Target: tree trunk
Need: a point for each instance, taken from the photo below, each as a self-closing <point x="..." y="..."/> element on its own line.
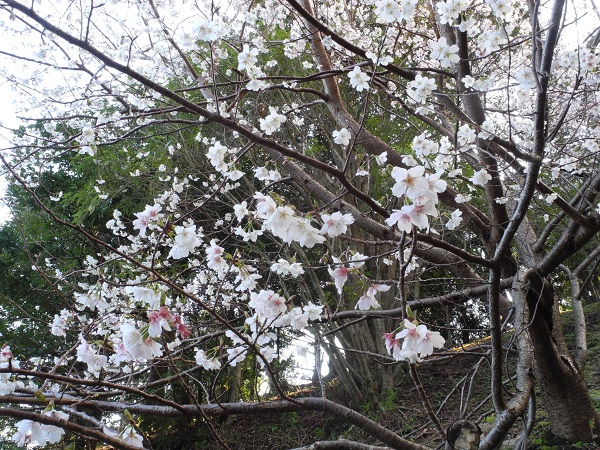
<point x="563" y="391"/>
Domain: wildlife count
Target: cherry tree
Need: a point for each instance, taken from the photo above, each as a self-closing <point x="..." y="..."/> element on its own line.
<point x="346" y="173"/>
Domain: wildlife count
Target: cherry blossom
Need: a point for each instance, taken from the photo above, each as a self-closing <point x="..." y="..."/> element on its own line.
<point x="435" y="185"/>
<point x="200" y="68"/>
<point x="8" y="384"/>
<point x="236" y="355"/>
<point x="388" y="10"/>
<point x="381" y="159"/>
<point x="284" y="267"/>
<point x="358" y="79"/>
<point x="339" y="275"/>
<point x="271" y="123"/>
<point x="144" y="218"/>
<point x="304" y="233"/>
<point x="245" y="277"/>
<point x="420" y="88"/>
<point x="92" y="300"/>
<point x="207" y="363"/>
<point x="480" y="178"/>
<point x="87" y="354"/>
<point x="336" y="223"/>
<point x="444" y="53"/>
<point x="247" y="57"/>
<point x="501" y="8"/>
<point x="35" y="433"/>
<point x="215" y="256"/>
<point x="428" y="341"/>
<point x="409" y="181"/>
<point x="160" y="320"/>
<point x="417" y="342"/>
<point x="450" y="10"/>
<point x="465" y="135"/>
<point x="488" y="130"/>
<point x="268" y="304"/>
<point x="366" y="302"/>
<point x="144" y="295"/>
<point x="491" y="40"/>
<point x="60" y="322"/>
<point x="131" y="437"/>
<point x="241" y="210"/>
<point x="525" y="78"/>
<point x="313" y="311"/>
<point x="401" y="217"/>
<point x="375" y="288"/>
<point x="342" y="136"/>
<point x="206" y="30"/>
<point x="298" y="319"/>
<point x="393" y="345"/>
<point x="379" y="59"/>
<point x="186" y="240"/>
<point x="455" y="219"/>
<point x="137" y="346"/>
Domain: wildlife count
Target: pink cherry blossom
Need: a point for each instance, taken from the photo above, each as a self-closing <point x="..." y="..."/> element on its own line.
<point x="182" y="329"/>
<point x="417" y="342"/>
<point x="5" y="353"/>
<point x="215" y="257"/>
<point x="340" y="275"/>
<point x="393" y="345"/>
<point x="401" y="217"/>
<point x="411" y="334"/>
<point x="428" y="341"/>
<point x="159" y="320"/>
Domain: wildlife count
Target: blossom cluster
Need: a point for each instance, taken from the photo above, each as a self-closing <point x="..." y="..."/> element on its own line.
<point x="412" y="342"/>
<point x="31" y="433"/>
<point x="420" y="88"/>
<point x="421" y="190"/>
<point x="359" y="80"/>
<point x="446" y="54"/>
<point x="283" y="222"/>
<point x="390" y="10"/>
<point x="367" y="300"/>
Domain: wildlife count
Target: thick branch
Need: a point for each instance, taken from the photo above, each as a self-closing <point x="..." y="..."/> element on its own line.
<point x="300" y="404"/>
<point x="580" y="340"/>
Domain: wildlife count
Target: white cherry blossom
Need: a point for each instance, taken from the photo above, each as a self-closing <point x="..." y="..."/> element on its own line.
<point x="455" y="219"/>
<point x="247" y="57"/>
<point x="480" y="178"/>
<point x="342" y="136"/>
<point x="271" y="123"/>
<point x="336" y="223"/>
<point x="358" y="79"/>
<point x="420" y="88"/>
<point x="444" y="53"/>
